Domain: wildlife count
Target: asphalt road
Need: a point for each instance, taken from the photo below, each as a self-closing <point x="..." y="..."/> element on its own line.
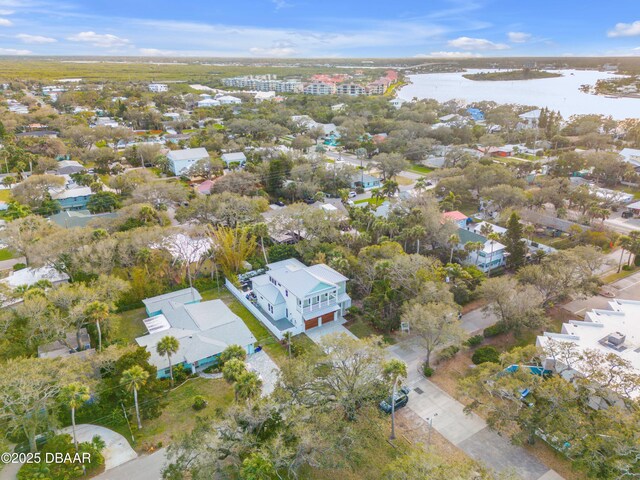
<point x="146" y="467"/>
<point x="628" y="288"/>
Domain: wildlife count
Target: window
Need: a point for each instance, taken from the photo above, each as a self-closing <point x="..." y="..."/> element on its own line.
<point x="286" y="293"/>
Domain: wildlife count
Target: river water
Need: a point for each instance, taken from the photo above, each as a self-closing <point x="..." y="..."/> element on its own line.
<point x="559" y="93"/>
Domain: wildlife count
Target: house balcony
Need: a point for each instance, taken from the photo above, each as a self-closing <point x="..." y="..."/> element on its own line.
<point x="322" y="305"/>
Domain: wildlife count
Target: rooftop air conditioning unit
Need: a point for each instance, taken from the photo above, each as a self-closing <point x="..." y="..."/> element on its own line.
<point x="616" y="338"/>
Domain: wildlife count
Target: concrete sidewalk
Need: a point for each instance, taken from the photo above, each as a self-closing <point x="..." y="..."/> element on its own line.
<point x="468" y="432"/>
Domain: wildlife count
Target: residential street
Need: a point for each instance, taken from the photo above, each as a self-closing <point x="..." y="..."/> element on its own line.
<point x="145" y="467"/>
<point x="476" y="321"/>
<point x="470" y="433"/>
<point x="627" y="288"/>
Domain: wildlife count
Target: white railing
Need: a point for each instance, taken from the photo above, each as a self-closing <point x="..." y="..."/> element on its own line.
<point x="254" y="310"/>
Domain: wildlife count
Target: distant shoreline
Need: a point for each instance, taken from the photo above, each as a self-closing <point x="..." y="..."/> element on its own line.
<point x="510" y="75"/>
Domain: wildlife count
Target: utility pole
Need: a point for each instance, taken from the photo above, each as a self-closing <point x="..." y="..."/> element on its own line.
<point x="393" y="410"/>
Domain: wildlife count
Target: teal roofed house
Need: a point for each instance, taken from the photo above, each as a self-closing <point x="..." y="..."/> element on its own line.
<point x="203" y="329"/>
<point x="365" y="181"/>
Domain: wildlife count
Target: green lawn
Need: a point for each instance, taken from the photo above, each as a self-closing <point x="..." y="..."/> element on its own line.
<point x="128" y="325"/>
<point x="5" y="195"/>
<point x="370" y="201"/>
<point x="5" y="254"/>
<point x="363" y="329"/>
<point x="419" y="169"/>
<point x="271" y="345"/>
<point x="178" y="417"/>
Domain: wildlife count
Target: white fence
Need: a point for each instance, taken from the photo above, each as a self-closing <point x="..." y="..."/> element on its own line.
<point x="251" y="307"/>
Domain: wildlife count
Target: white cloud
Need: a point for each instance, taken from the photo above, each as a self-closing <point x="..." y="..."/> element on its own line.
<point x="35" y="39"/>
<point x="105" y="40"/>
<point x="273" y="52"/>
<point x="467" y="43"/>
<point x="625" y="30"/>
<point x="5" y="22"/>
<point x="14" y="51"/>
<point x="156" y="52"/>
<point x="7" y="12"/>
<point x="519" y="37"/>
<point x="281" y="4"/>
<point x="448" y="55"/>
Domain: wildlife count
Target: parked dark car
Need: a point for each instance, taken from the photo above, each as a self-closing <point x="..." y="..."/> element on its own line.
<point x="23" y="447"/>
<point x="401" y="399"/>
<point x="627" y="214"/>
<point x="279" y="203"/>
<point x="309" y="201"/>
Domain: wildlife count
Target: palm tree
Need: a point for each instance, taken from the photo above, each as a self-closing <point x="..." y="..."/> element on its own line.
<point x="248" y="385"/>
<point x="454" y="240"/>
<point x="261" y="230"/>
<point x="168" y="346"/>
<point x="635" y="244"/>
<point x="74" y="396"/>
<point x="493" y="238"/>
<point x="232" y="371"/>
<point x="390" y="188"/>
<point x="97" y="312"/>
<point x="133" y="380"/>
<point x="451" y="202"/>
<point x="486" y="229"/>
<point x="625" y="242"/>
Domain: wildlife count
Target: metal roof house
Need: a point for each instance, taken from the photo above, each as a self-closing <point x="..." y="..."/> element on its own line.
<point x="203" y="329"/>
<point x="182" y="160"/>
<point x="234" y="157"/>
<point x="295" y="298"/>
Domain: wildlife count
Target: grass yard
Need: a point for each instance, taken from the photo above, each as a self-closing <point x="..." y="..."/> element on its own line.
<point x="371" y="201"/>
<point x="178" y="417"/>
<point x="5" y="254"/>
<point x="419" y="169"/>
<point x="363" y="329"/>
<point x="5" y="195"/>
<point x="128" y="325"/>
<point x="271" y="345"/>
<point x="613" y="277"/>
<point x="403" y="181"/>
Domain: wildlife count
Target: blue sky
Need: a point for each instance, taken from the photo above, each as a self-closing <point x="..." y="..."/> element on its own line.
<point x="329" y="28"/>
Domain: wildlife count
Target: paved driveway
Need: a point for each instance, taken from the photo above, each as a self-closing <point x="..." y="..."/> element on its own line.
<point x="117" y="451"/>
<point x="337" y="326"/>
<point x="145" y="467"/>
<point x="468" y="432"/>
<point x="476" y="320"/>
<point x="262" y="364"/>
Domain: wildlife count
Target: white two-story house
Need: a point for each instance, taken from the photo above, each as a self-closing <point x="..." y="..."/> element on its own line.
<point x="295" y="297"/>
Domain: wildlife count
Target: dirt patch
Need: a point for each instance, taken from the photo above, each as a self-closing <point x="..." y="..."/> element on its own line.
<point x="552" y="459"/>
<point x="474" y="305"/>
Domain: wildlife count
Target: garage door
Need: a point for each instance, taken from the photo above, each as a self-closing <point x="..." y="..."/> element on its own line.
<point x="329" y="317"/>
<point x="311" y="323"/>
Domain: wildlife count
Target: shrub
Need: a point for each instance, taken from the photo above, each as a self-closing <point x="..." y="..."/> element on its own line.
<point x="199" y="402"/>
<point x="626" y="268"/>
<point x="232" y="351"/>
<point x="494" y="330"/>
<point x="353" y="310"/>
<point x="448" y="352"/>
<point x="485" y="354"/>
<point x="474" y="341"/>
<point x="180" y="374"/>
<point x="427" y="370"/>
<point x="19" y="266"/>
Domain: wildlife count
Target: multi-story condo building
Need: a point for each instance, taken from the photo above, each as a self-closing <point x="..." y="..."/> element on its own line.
<point x="352" y="89"/>
<point x="320" y="88"/>
<point x="158" y="87"/>
<point x="264" y="83"/>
